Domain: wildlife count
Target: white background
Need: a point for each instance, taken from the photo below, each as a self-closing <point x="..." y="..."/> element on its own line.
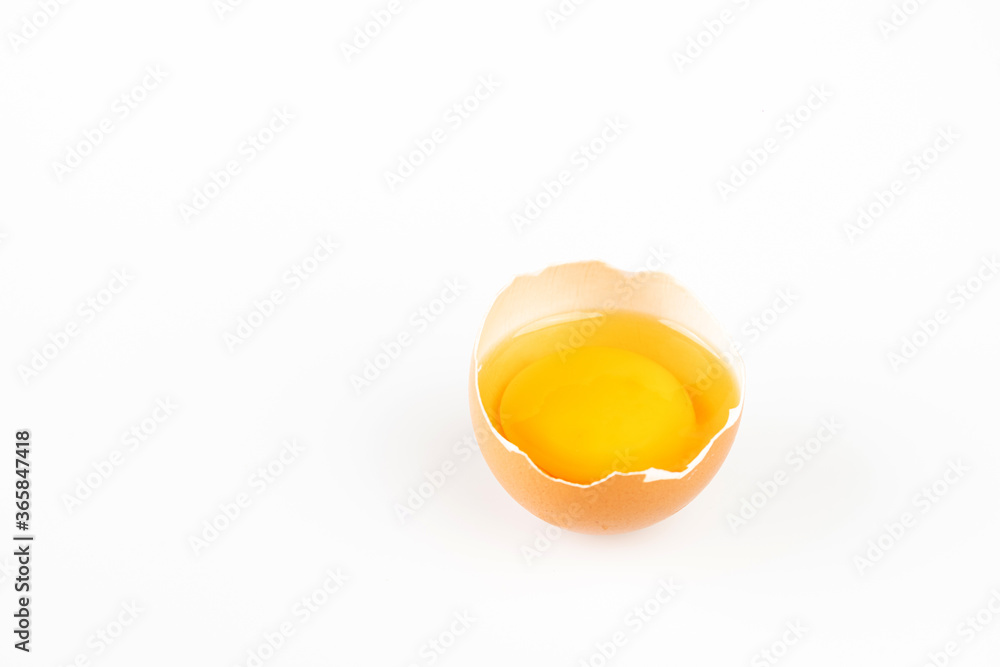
<point x="855" y="298"/>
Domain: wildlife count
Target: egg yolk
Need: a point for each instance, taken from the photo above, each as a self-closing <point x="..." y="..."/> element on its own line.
<point x="583" y="414"/>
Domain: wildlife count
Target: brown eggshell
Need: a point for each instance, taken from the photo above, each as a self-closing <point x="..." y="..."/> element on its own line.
<point x="620" y="502"/>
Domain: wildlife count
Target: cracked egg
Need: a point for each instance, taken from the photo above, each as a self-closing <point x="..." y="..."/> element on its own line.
<point x="603" y="401"/>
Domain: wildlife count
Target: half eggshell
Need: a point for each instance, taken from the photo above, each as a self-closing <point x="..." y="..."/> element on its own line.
<point x="620" y="502"/>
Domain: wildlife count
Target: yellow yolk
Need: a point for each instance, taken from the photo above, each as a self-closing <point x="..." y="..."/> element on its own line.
<point x="581" y="415"/>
